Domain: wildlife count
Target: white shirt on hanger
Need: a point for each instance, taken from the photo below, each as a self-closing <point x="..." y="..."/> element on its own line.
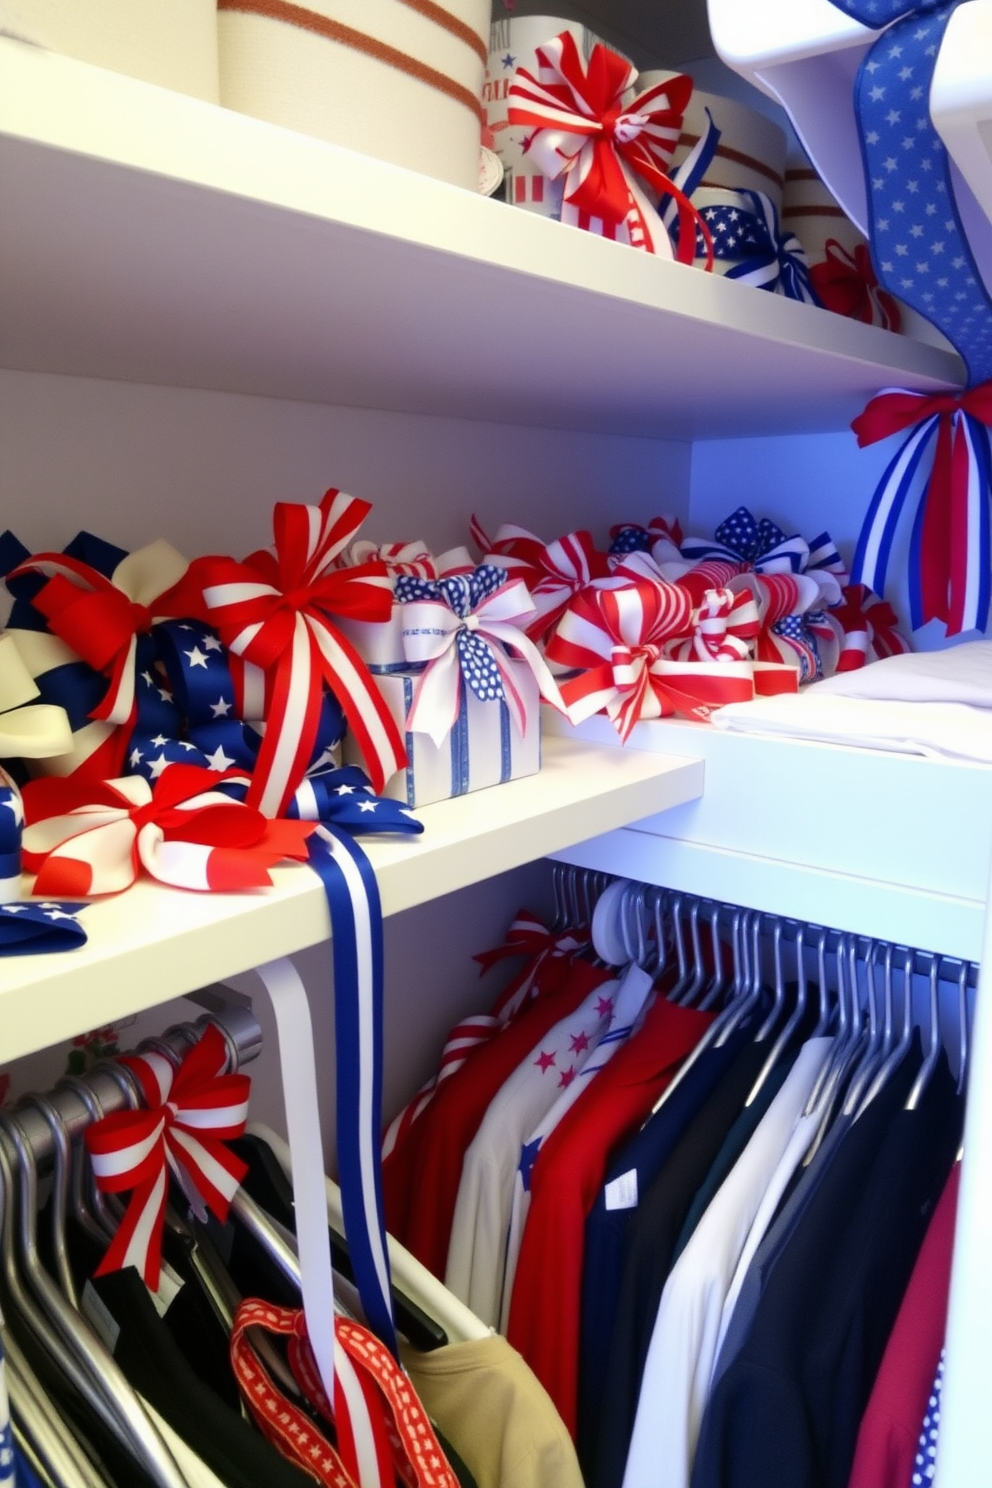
<point x="477" y="1245"/>
<point x="680" y="1358"/>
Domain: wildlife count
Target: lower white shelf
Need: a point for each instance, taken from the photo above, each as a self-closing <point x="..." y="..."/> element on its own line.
<point x="153" y="943"/>
<point x="894" y="846"/>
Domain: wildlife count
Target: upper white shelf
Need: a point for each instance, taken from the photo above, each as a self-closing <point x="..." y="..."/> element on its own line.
<point x="153" y="943"/>
<point x="149" y="237"/>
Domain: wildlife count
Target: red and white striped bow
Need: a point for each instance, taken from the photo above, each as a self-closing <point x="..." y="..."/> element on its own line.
<point x="779" y="596"/>
<point x="276" y="610"/>
<point x="604" y="151"/>
<point x="94" y="837"/>
<point x="430" y="634"/>
<point x="724" y="629"/>
<point x="618" y="636"/>
<point x="528" y="936"/>
<point x="100" y="619"/>
<point x="553" y="572"/>
<point x="847" y="284"/>
<point x="868" y="628"/>
<point x="192" y="1112"/>
<point x="413" y="559"/>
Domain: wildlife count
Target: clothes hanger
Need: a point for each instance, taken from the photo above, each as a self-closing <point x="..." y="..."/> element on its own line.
<point x="59" y="1199"/>
<point x="934" y="1041"/>
<point x="849" y="1049"/>
<point x="717" y="986"/>
<point x="904" y="1045"/>
<point x="684" y="970"/>
<point x="699" y="974"/>
<point x="744" y="1001"/>
<point x="796" y="1016"/>
<point x="880" y="1029"/>
<point x="37" y="1422"/>
<point x="62" y="1332"/>
<point x="88" y="1203"/>
<point x="963" y="1025"/>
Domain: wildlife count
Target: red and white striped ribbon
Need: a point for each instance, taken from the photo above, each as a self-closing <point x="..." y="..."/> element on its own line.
<point x="94" y="838"/>
<point x="553" y="572"/>
<point x="276" y="610"/>
<point x="725" y="628"/>
<point x="191" y="1113"/>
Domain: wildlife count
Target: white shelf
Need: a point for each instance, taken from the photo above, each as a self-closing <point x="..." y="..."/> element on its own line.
<point x="890" y="845"/>
<point x="149" y="237"/>
<point x="153" y="943"/>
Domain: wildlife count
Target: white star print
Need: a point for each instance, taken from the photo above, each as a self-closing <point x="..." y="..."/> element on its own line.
<point x="220" y="708"/>
<point x="15" y="807"/>
<point x="877" y="94"/>
<point x="13" y="908"/>
<point x="135" y="758"/>
<point x="58" y="914"/>
<point x="164" y="694"/>
<point x="367" y="805"/>
<point x="160" y="741"/>
<point x="156" y="766"/>
<point x="196" y="658"/>
<point x="147" y="677"/>
<point x="211" y="643"/>
<point x="344" y="790"/>
<point x="218" y="760"/>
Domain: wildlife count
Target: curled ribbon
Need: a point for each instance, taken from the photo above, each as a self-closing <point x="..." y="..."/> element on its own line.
<point x="951" y="544"/>
<point x="276" y="611"/>
<point x="848" y="285"/>
<point x="414" y="559"/>
<point x="463" y="628"/>
<point x="725" y="628"/>
<point x="617" y="636"/>
<point x="192" y="1112"/>
<point x="85" y="838"/>
<point x="868" y="629"/>
<point x="584" y="133"/>
<point x="553" y="572"/>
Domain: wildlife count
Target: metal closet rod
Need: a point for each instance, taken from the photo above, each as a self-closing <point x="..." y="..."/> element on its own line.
<point x="922" y="959"/>
<point x="236" y="1022"/>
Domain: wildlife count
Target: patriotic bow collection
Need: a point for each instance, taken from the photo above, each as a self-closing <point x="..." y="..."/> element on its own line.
<point x="608" y="149"/>
<point x="28" y="730"/>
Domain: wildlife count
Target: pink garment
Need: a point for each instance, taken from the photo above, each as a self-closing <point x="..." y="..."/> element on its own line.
<point x="890" y="1428"/>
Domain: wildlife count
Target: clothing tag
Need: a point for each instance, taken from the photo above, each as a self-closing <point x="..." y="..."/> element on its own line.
<point x="622" y="1192"/>
<point x="170" y="1284"/>
<point x="635" y="984"/>
<point x="102" y="1320"/>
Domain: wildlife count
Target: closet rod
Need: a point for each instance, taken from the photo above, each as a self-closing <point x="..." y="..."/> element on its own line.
<point x="237" y="1024"/>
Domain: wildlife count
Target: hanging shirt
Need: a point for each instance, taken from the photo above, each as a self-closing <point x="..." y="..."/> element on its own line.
<point x="449" y="1124"/>
<point x="477" y="1246"/>
<point x="649" y="1248"/>
<point x="617" y="1033"/>
<point x="627" y="1178"/>
<point x="568" y="1173"/>
<point x="683" y="1344"/>
<point x="787" y="1411"/>
<point x="888" y="1438"/>
<point x="487" y="1400"/>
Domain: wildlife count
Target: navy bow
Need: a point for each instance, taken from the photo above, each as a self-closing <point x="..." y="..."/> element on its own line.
<point x="771" y="258"/>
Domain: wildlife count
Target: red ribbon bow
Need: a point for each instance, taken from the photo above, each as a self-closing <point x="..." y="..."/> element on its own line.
<point x="869" y="628"/>
<point x="191" y="1113"/>
<point x="101" y="620"/>
<point x="846" y="283"/>
<point x="276" y="611"/>
<point x="584" y="132"/>
<point x="619" y="636"/>
<point x="527" y="936"/>
<point x="944" y="536"/>
<point x="86" y="838"/>
<point x="726" y="625"/>
<point x="553" y="572"/>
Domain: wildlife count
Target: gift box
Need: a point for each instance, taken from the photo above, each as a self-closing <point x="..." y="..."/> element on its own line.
<point x="485" y="746"/>
<point x="401" y="82"/>
<point x="751" y="153"/>
<point x="380" y="642"/>
<point x="169" y="42"/>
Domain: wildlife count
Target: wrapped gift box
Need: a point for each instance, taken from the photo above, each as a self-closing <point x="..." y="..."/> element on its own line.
<point x="484" y="747"/>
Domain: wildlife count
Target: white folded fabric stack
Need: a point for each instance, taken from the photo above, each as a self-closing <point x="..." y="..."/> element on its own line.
<point x="398" y="79"/>
<point x="169" y="42"/>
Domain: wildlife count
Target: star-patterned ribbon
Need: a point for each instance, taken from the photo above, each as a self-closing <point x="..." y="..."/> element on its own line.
<point x="918" y="243"/>
<point x="662" y="538"/>
<point x="771" y="257"/>
<point x="276" y="611"/>
<point x="617" y="638"/>
<point x="951" y="544"/>
<point x="384" y="1435"/>
<point x="553" y="572"/>
<point x="192" y="1112"/>
<point x="749" y="543"/>
<point x="784" y="602"/>
<point x="11" y="826"/>
<point x="848" y="285"/>
<point x="86" y="837"/>
<point x="605" y="152"/>
<point x="463" y="629"/>
<point x="31" y="928"/>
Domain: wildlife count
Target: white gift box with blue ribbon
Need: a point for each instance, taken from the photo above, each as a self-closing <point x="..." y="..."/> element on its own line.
<point x="484" y="746"/>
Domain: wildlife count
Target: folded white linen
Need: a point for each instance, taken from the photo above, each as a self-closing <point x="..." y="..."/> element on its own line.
<point x="959" y="674"/>
<point x="956" y="731"/>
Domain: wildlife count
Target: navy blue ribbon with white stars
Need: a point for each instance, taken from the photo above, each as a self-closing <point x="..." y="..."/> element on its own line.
<point x="29" y="927"/>
<point x="463" y="593"/>
<point x="771" y="258"/>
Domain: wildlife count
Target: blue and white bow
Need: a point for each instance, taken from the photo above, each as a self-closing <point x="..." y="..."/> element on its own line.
<point x="758" y="544"/>
<point x="771" y="257"/>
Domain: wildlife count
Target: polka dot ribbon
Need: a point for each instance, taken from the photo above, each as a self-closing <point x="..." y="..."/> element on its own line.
<point x="463" y="630"/>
